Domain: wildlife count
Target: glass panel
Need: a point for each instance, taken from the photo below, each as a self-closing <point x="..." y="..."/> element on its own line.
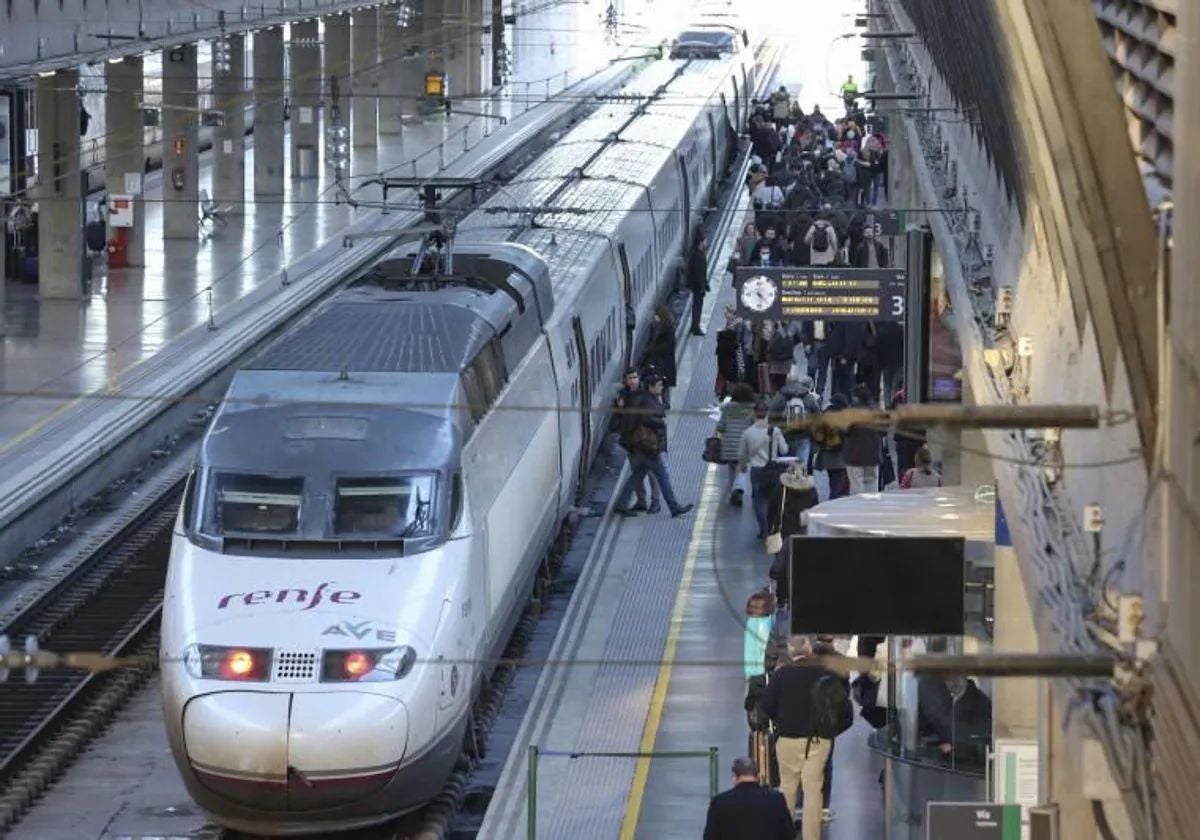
<point x="384" y="507"/>
<point x="253" y="504"/>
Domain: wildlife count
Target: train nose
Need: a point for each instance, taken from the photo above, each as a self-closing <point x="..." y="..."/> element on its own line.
<point x="343" y="746"/>
<point x="295" y="752"/>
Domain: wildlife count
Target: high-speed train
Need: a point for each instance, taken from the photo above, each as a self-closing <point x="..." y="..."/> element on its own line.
<point x="373" y="498"/>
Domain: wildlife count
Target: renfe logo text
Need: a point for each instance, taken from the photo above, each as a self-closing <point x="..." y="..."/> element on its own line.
<point x="291" y="596"/>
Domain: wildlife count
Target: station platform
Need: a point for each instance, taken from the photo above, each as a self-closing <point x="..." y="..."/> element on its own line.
<point x="649" y="660"/>
<point x="77" y="378"/>
<point x="649" y="657"/>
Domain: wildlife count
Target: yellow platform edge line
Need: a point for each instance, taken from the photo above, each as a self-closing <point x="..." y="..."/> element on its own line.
<point x="705" y="514"/>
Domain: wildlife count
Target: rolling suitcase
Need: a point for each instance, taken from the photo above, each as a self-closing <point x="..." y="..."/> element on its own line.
<point x="761" y="750"/>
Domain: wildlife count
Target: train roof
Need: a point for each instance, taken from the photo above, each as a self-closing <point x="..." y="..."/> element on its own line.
<point x="306" y="422"/>
<point x="374" y="330"/>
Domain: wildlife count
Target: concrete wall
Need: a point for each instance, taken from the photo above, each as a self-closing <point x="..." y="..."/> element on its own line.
<point x="1105" y="466"/>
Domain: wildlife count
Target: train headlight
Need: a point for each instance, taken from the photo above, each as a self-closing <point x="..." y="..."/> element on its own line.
<point x="367" y="664"/>
<point x="239" y="664"/>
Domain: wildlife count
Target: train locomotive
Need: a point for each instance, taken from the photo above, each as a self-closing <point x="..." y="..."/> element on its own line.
<point x="373" y="497"/>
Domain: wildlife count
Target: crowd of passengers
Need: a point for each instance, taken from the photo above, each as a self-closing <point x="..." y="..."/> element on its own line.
<point x="813" y="184"/>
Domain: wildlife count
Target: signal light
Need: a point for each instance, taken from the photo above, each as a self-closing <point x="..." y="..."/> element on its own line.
<point x="237" y="664"/>
<point x="371" y="665"/>
<point x="356" y="664"/>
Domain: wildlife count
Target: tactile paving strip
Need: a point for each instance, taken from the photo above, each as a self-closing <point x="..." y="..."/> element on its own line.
<point x="594" y="791"/>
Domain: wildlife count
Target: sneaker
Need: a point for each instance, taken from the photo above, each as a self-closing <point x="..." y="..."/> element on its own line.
<point x="737" y="498"/>
<point x="681" y="510"/>
<point x="826" y="815"/>
<point x="638" y="507"/>
<point x="655" y="507"/>
<point x="698" y="333"/>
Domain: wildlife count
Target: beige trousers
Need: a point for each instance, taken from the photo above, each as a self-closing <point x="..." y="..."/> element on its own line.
<point x="802" y="764"/>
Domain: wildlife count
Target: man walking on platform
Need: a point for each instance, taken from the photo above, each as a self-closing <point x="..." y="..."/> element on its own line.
<point x="810" y="706"/>
<point x="697" y="278"/>
<point x="748" y="809"/>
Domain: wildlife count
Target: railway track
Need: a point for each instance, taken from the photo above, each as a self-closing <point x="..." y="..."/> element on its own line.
<point x="108" y="605"/>
<point x="111" y="604"/>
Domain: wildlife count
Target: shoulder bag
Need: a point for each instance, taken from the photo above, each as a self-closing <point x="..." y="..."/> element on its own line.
<point x="774" y="541"/>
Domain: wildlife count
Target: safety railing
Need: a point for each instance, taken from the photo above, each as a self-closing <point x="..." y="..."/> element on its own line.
<point x="536" y="754"/>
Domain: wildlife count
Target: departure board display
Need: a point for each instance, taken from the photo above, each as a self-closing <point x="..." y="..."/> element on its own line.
<point x="827" y="293"/>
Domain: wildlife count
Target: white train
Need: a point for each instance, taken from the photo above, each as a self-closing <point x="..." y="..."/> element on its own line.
<point x="373" y="498"/>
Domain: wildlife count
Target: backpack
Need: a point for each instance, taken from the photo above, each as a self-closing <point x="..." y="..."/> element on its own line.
<point x="820" y="241"/>
<point x="850" y="171"/>
<point x="831" y="711"/>
<point x="796" y="411"/>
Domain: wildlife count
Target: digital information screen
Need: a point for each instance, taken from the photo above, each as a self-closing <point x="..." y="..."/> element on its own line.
<point x="886" y="222"/>
<point x="828" y="293"/>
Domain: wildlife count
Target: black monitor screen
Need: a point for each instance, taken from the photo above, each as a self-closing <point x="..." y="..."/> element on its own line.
<point x="905" y="586"/>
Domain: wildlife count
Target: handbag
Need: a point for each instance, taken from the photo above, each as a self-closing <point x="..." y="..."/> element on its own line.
<point x="645" y="441"/>
<point x="774" y="541"/>
<point x="712" y="450"/>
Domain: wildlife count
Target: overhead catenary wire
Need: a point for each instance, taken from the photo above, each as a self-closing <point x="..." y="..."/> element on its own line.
<point x="247" y="96"/>
<point x="207" y="289"/>
<point x="833" y="420"/>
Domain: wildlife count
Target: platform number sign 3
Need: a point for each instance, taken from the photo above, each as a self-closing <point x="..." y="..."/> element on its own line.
<point x="898" y="306"/>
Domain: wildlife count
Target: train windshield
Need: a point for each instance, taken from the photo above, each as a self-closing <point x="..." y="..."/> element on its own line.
<point x="253" y="505"/>
<point x="399" y="506"/>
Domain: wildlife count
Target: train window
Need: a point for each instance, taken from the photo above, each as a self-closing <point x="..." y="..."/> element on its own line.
<point x="477" y="402"/>
<point x="484" y="379"/>
<point x="254" y="504"/>
<point x="189" y="501"/>
<point x="384" y="507"/>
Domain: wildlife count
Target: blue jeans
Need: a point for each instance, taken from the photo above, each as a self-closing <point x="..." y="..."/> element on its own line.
<point x="761" y="491"/>
<point x="656" y="468"/>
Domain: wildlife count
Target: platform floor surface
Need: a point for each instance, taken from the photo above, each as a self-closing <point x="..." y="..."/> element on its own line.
<point x="53" y="353"/>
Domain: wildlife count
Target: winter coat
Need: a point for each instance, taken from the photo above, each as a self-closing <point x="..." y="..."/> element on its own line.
<point x="845" y="339"/>
<point x="781" y="105"/>
<point x="864" y="258"/>
<point x="777" y="407"/>
<point x="917" y="477"/>
<point x="822" y="257"/>
<point x="697" y="271"/>
<point x="732" y="361"/>
<point x="661" y="353"/>
<point x="651" y="413"/>
<point x="889" y="344"/>
<point x="735" y="418"/>
<point x="754" y="644"/>
<point x="863" y="447"/>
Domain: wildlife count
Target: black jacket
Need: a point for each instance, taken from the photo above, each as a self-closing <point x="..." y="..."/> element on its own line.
<point x="965" y="723"/>
<point x="747" y="811"/>
<point x="863" y="447"/>
<point x="623" y="423"/>
<point x="890" y="343"/>
<point x="649" y="411"/>
<point x="697" y="271"/>
<point x="660" y="354"/>
<point x="862" y="256"/>
<point x="788" y="701"/>
<point x="846" y="339"/>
